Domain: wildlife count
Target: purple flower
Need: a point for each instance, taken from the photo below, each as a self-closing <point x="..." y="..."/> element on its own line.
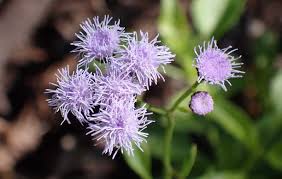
<point x="98" y="40"/>
<point x="74" y="93"/>
<point x="143" y="58"/>
<point x="216" y="66"/>
<point x="201" y="103"/>
<point x="119" y="126"/>
<point x="115" y="84"/>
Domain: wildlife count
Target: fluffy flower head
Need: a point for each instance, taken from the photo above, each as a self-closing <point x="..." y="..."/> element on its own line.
<point x="143" y="58"/>
<point x="98" y="39"/>
<point x="216" y="66"/>
<point x="120" y="126"/>
<point x="115" y="84"/>
<point x="73" y="93"/>
<point x="201" y="103"/>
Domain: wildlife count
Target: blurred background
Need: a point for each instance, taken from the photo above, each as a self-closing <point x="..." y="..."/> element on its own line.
<point x="240" y="139"/>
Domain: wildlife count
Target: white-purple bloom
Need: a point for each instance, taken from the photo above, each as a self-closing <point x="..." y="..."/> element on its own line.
<point x="131" y="64"/>
<point x="201" y="103"/>
<point x="120" y="126"/>
<point x="98" y="40"/>
<point x="216" y="66"/>
<point x="74" y="93"/>
<point x="115" y="84"/>
<point x="142" y="58"/>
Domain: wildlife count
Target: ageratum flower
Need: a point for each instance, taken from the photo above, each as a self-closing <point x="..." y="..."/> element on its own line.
<point x="120" y="126"/>
<point x="115" y="84"/>
<point x="216" y="66"/>
<point x="143" y="58"/>
<point x="201" y="103"/>
<point x="98" y="40"/>
<point x="74" y="93"/>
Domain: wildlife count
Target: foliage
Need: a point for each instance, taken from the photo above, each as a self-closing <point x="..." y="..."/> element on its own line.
<point x="228" y="143"/>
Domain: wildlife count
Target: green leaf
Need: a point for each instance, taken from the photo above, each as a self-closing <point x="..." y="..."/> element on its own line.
<point x="274" y="156"/>
<point x="269" y="127"/>
<point x="174" y="72"/>
<point x="177" y="34"/>
<point x="214" y="17"/>
<point x="140" y="163"/>
<point x="235" y="122"/>
<point x="275" y="92"/>
<point x="223" y="175"/>
<point x="222" y="144"/>
<point x="188" y="163"/>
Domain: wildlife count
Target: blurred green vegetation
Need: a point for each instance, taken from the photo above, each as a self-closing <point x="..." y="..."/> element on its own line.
<point x="234" y="144"/>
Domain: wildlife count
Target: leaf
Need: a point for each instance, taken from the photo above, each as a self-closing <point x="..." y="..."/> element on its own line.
<point x="223" y="175"/>
<point x="275" y="92"/>
<point x="235" y="122"/>
<point x="269" y="127"/>
<point x="274" y="156"/>
<point x="239" y="131"/>
<point x="140" y="163"/>
<point x="189" y="161"/>
<point x="214" y="17"/>
<point x="231" y="16"/>
<point x="222" y="144"/>
<point x="177" y="34"/>
<point x="174" y="72"/>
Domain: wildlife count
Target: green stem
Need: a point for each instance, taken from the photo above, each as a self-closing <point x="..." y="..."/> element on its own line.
<point x="183" y="97"/>
<point x="168" y="170"/>
<point x="156" y="110"/>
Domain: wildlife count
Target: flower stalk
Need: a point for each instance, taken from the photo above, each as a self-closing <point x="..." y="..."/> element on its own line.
<point x="168" y="169"/>
<point x="183" y="97"/>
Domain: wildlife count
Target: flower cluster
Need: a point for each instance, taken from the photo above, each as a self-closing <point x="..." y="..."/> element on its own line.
<point x="215" y="66"/>
<point x="131" y="64"/>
